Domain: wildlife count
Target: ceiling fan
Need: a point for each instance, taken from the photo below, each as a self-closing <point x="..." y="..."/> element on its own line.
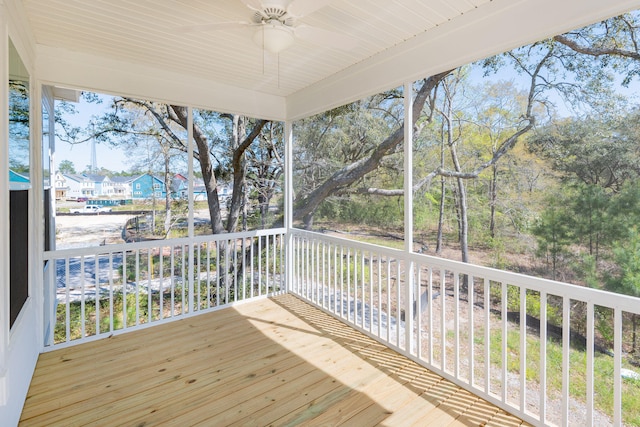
<point x="277" y="28"/>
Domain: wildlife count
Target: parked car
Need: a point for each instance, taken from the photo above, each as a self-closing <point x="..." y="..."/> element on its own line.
<point x="90" y="209"/>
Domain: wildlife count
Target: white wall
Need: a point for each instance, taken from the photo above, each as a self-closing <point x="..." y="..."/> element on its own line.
<point x="20" y="345"/>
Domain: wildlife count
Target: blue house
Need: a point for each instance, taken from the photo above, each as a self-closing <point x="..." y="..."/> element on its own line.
<point x="147" y="186"/>
<point x="18" y="181"/>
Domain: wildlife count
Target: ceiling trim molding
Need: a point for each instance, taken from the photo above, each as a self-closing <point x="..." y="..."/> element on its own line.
<point x="60" y="67"/>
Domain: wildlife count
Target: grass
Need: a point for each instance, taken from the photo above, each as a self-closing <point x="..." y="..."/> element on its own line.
<point x="603" y="371"/>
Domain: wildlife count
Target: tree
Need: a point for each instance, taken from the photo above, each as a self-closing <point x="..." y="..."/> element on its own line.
<point x="19" y="125"/>
<point x="221" y="143"/>
<point x="553" y="232"/>
<point x="627" y="279"/>
<point x="364" y="156"/>
<point x="600" y="151"/>
<point x="67" y="167"/>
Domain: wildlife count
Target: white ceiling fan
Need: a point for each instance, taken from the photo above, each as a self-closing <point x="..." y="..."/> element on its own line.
<point x="276" y="25"/>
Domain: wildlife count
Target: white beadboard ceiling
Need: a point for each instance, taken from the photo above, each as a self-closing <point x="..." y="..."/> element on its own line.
<point x="147" y="33"/>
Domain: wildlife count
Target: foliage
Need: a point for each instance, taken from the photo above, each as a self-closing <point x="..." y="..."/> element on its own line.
<point x="18" y="126"/>
<point x="553" y="232"/>
<point x="626" y="254"/>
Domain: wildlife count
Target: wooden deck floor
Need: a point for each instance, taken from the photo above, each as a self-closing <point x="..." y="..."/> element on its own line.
<point x="272" y="362"/>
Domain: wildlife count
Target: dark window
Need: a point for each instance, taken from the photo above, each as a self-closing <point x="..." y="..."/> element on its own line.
<point x="19" y="244"/>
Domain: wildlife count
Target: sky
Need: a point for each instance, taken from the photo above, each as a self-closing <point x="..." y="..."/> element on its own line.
<point x="80" y="154"/>
<point x="116" y="160"/>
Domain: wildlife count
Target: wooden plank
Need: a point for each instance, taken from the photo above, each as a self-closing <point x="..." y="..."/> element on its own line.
<point x="136" y="363"/>
<point x="277" y="361"/>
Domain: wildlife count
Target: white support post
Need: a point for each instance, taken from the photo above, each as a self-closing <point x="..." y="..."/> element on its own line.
<point x="410" y="282"/>
<point x="288" y="202"/>
<point x="408" y="167"/>
<point x="190" y="203"/>
<point x="190" y="230"/>
<point x="36" y="202"/>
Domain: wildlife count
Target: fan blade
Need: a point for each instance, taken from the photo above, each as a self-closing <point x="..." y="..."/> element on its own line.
<point x="212" y="27"/>
<point x="300" y="8"/>
<point x="325" y="37"/>
<point x="253" y="4"/>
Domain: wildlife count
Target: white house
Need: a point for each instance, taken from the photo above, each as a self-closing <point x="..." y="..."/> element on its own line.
<point x="102" y="184"/>
<point x="122" y="187"/>
<point x="61" y="186"/>
<point x="79" y="186"/>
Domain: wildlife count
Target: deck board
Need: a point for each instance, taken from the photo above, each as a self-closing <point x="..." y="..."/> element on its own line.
<point x="275" y="361"/>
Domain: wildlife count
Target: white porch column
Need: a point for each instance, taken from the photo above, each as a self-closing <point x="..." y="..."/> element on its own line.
<point x="190" y="230"/>
<point x="411" y="293"/>
<point x="288" y="201"/>
<point x="190" y="203"/>
<point x="408" y="167"/>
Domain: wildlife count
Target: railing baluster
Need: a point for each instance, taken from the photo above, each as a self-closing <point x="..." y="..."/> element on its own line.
<point x="173" y="281"/>
<point x="149" y="285"/>
<point x="543" y="356"/>
<point x="443" y="321"/>
<point x="398" y="302"/>
<point x="218" y="273"/>
<point x="235" y="268"/>
<point x="342" y="281"/>
<point x="67" y="314"/>
<point x="97" y="296"/>
<point x="505" y="336"/>
<point x="209" y="274"/>
<point x="589" y="367"/>
<point x="244" y="270"/>
<point x="430" y="318"/>
<point x="617" y="367"/>
<point x="389" y="299"/>
<point x="471" y="328"/>
<point x="523" y="348"/>
<point x="83" y="299"/>
<point x="111" y="292"/>
<point x="456" y="324"/>
<point x="160" y="283"/>
<point x="487" y="336"/>
<point x="379" y="295"/>
<point x="566" y="348"/>
<point x="196" y="277"/>
<point x="370" y="292"/>
<point x="137" y="287"/>
<point x="418" y="311"/>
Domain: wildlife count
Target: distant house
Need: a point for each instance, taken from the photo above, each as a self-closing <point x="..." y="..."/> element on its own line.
<point x="122" y="186"/>
<point x="147" y="186"/>
<point x="199" y="193"/>
<point x="179" y="186"/>
<point x="18" y="181"/>
<point x="61" y="186"/>
<point x="79" y="186"/>
<point x="103" y="185"/>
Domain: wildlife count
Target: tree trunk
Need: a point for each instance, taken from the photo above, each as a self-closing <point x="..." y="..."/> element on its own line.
<point x="443" y="191"/>
<point x="167" y="199"/>
<point x="493" y="198"/>
<point x="206" y="167"/>
<point x="351" y="173"/>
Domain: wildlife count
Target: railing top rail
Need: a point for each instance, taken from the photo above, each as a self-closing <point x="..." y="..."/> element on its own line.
<point x="96" y="250"/>
<point x="579" y="293"/>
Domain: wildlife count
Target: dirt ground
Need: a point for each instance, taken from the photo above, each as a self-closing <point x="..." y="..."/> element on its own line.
<point x="76" y="231"/>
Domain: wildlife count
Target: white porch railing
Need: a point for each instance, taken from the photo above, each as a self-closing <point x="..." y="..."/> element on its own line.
<point x="104" y="290"/>
<point x="480" y="327"/>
